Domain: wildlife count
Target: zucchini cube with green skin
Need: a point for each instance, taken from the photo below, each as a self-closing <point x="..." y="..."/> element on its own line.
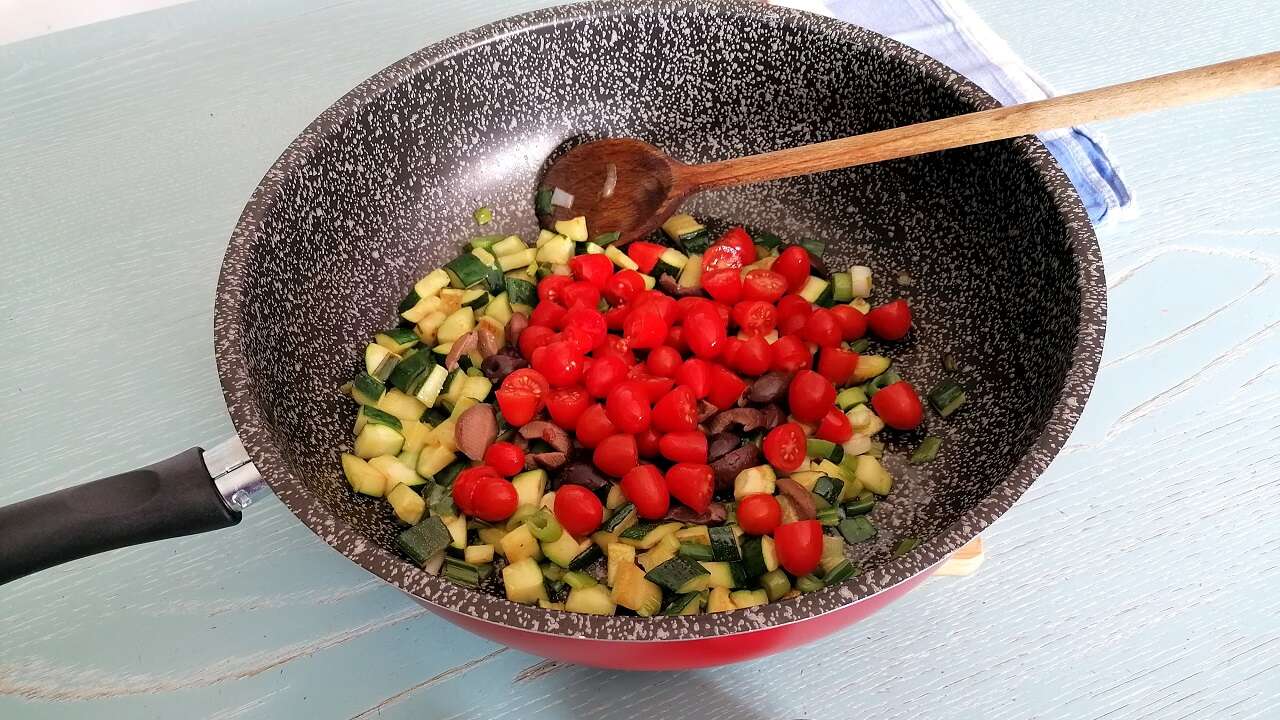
<point x="522" y="581"/>
<point x="530" y="485"/>
<point x="478" y="554"/>
<point x="721" y="575"/>
<point x="563" y="550"/>
<point x="868" y="367"/>
<point x="864" y="421"/>
<point x="397" y="403"/>
<point x="424" y="540"/>
<point x="719" y="600"/>
<point x="743" y="599"/>
<point x="375" y="440"/>
<point x="594" y="600"/>
<point x="458" y="531"/>
<point x="872" y="475"/>
<point x="679" y="575"/>
<point x="434" y="459"/>
<point x="364" y="478"/>
<point x="632" y="590"/>
<point x="664" y="550"/>
<point x="397" y="340"/>
<point x="379" y="361"/>
<point x="396" y="472"/>
<point x="408" y="505"/>
<point x="759" y="479"/>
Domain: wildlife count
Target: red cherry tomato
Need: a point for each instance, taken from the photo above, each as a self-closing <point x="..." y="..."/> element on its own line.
<point x="792" y="325"/>
<point x="645" y="254"/>
<point x="580" y="293"/>
<point x="628" y="407"/>
<point x="810" y="396"/>
<point x="647" y="443"/>
<point x="793" y="265"/>
<point x="752" y="357"/>
<point x="705" y="332"/>
<point x="696" y="375"/>
<point x="663" y="303"/>
<point x="726" y="387"/>
<point x="725" y="285"/>
<point x="529" y="381"/>
<point x="823" y="329"/>
<point x="729" y="351"/>
<point x="518" y="407"/>
<point x="755" y="317"/>
<point x="692" y="484"/>
<point x="614" y="345"/>
<point x="616" y="318"/>
<point x="560" y="362"/>
<point x="890" y="321"/>
<point x="595" y="269"/>
<point x="580" y="340"/>
<point x="588" y="320"/>
<point x="734" y="249"/>
<point x="759" y="514"/>
<point x="764" y="285"/>
<point x="550" y="286"/>
<point x="898" y="406"/>
<point x="654" y="386"/>
<point x="853" y="324"/>
<point x="623" y="287"/>
<point x="605" y="374"/>
<point x="466" y="484"/>
<point x="794" y="306"/>
<point x="548" y="314"/>
<point x="687" y="305"/>
<point x="566" y="406"/>
<point x="799" y="546"/>
<point x="534" y="337"/>
<point x="644" y="328"/>
<point x="784" y="447"/>
<point x="835" y="426"/>
<point x="616" y="454"/>
<point x="677" y="411"/>
<point x="685" y="447"/>
<point x="645" y="488"/>
<point x="494" y="499"/>
<point x="789" y="354"/>
<point x="578" y="510"/>
<point x="594" y="426"/>
<point x="675" y="339"/>
<point x="837" y="364"/>
<point x="664" y="361"/>
<point x="507" y="458"/>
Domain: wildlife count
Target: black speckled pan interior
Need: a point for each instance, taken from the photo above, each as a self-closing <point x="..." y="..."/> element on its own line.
<point x="992" y="245"/>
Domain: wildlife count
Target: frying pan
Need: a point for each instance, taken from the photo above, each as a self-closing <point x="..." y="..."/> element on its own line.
<point x="989" y="243"/>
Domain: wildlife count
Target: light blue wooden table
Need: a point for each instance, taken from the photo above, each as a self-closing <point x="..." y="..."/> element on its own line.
<point x="1140" y="577"/>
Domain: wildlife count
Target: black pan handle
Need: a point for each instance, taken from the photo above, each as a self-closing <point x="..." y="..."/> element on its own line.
<point x="171" y="498"/>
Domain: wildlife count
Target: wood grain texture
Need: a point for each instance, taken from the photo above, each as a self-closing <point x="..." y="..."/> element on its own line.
<point x="1137" y="579"/>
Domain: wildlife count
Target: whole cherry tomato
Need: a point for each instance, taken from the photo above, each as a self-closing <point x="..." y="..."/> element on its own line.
<point x="664" y="361"/>
<point x="726" y="387"/>
<point x="764" y="285"/>
<point x="580" y="293"/>
<point x="686" y="305"/>
<point x="495" y="499"/>
<point x="466" y="484"/>
<point x="615" y="455"/>
<point x="677" y="411"/>
<point x="644" y="328"/>
<point x="663" y="303"/>
<point x="794" y="306"/>
<point x="550" y="286"/>
<point x="675" y="339"/>
<point x="595" y="269"/>
<point x="789" y="354"/>
<point x="578" y="510"/>
<point x="655" y="386"/>
<point x="518" y="407"/>
<point x="646" y="488"/>
<point x="898" y="406"/>
<point x="799" y="546"/>
<point x="548" y="314"/>
<point x="606" y="373"/>
<point x="507" y="458"/>
<point x="725" y="285"/>
<point x="614" y="345"/>
<point x="890" y="321"/>
<point x="628" y="407"/>
<point x="823" y="329"/>
<point x="835" y="426"/>
<point x="616" y="318"/>
<point x="588" y="320"/>
<point x="793" y="265"/>
<point x="566" y="406"/>
<point x="695" y="374"/>
<point x="623" y="287"/>
<point x="759" y="514"/>
<point x="692" y="484"/>
<point x="755" y="317"/>
<point x="648" y="443"/>
<point x="733" y="250"/>
<point x="534" y="337"/>
<point x="784" y="447"/>
<point x="837" y="364"/>
<point x="560" y="362"/>
<point x="810" y="396"/>
<point x="853" y="324"/>
<point x="686" y="447"/>
<point x="752" y="357"/>
<point x="705" y="332"/>
<point x="594" y="426"/>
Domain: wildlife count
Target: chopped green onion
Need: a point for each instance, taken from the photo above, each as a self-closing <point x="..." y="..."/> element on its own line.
<point x="463" y="573"/>
<point x="927" y="451"/>
<point x="482" y="215"/>
<point x="696" y="551"/>
<point x="544" y="525"/>
<point x="860" y="345"/>
<point x="522" y="513"/>
<point x="841" y="572"/>
<point x="857" y="529"/>
<point x="906" y="545"/>
<point x="579" y="580"/>
<point x="859" y="507"/>
<point x="947" y="397"/>
<point x="606" y="239"/>
<point x="829" y="516"/>
<point x="542" y="202"/>
<point x="808" y="584"/>
<point x="949" y="362"/>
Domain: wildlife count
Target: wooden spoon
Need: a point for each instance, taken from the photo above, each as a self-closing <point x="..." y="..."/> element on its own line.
<point x="632" y="187"/>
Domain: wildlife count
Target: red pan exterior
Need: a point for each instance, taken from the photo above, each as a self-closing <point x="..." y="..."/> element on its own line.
<point x="681" y="654"/>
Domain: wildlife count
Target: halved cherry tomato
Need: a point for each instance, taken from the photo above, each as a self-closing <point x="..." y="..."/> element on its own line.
<point x="518" y="407"/>
<point x="726" y="387"/>
<point x="616" y="454"/>
<point x="606" y="372"/>
<point x="835" y="426"/>
<point x="654" y="386"/>
<point x="647" y="443"/>
<point x="578" y="510"/>
<point x="664" y="361"/>
<point x="595" y="269"/>
<point x="810" y="396"/>
<point x="580" y="339"/>
<point x="560" y="362"/>
<point x="550" y="286"/>
<point x="752" y="357"/>
<point x="628" y="407"/>
<point x="759" y="514"/>
<point x="466" y="484"/>
<point x="853" y="324"/>
<point x="705" y="332"/>
<point x="789" y="354"/>
<point x="692" y="484"/>
<point x="548" y="314"/>
<point x="566" y="406"/>
<point x="530" y="381"/>
<point x="594" y="426"/>
<point x="644" y="328"/>
<point x="494" y="499"/>
<point x="695" y="374"/>
<point x="890" y="321"/>
<point x="794" y="306"/>
<point x="645" y="254"/>
<point x="623" y="287"/>
<point x="725" y="285"/>
<point x="507" y="458"/>
<point x="793" y="265"/>
<point x="534" y="337"/>
<point x="764" y="285"/>
<point x="734" y="249"/>
<point x="580" y="293"/>
<point x="837" y="364"/>
<point x="614" y="345"/>
<point x="799" y="546"/>
<point x="755" y="317"/>
<point x="686" y="447"/>
<point x="823" y="329"/>
<point x="616" y="318"/>
<point x="898" y="406"/>
<point x="784" y="447"/>
<point x="646" y="488"/>
<point x="677" y="411"/>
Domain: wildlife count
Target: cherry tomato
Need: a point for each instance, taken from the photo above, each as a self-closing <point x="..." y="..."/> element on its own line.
<point x="835" y="426"/>
<point x="890" y="321"/>
<point x="755" y="317"/>
<point x="644" y="328"/>
<point x="794" y="306"/>
<point x="752" y="357"/>
<point x="729" y="350"/>
<point x="645" y="488"/>
<point x="595" y="269"/>
<point x="614" y="345"/>
<point x="548" y="314"/>
<point x="616" y="454"/>
<point x="837" y="364"/>
<point x="648" y="443"/>
<point x="759" y="514"/>
<point x="677" y="411"/>
<point x="566" y="406"/>
<point x="654" y="386"/>
<point x="692" y="484"/>
<point x="534" y="337"/>
<point x="764" y="285"/>
<point x="687" y="305"/>
<point x="726" y="387"/>
<point x="823" y="329"/>
<point x="494" y="499"/>
<point x="466" y="484"/>
<point x="898" y="406"/>
<point x="793" y="265"/>
<point x="560" y="362"/>
<point x="579" y="339"/>
<point x="594" y="426"/>
<point x="675" y="339"/>
<point x="660" y="301"/>
<point x="628" y="407"/>
<point x="578" y="510"/>
<point x="623" y="287"/>
<point x="645" y="254"/>
<point x="685" y="447"/>
<point x="581" y="293"/>
<point x="530" y="381"/>
<point x="507" y="458"/>
<point x="784" y="447"/>
<point x="605" y="373"/>
<point x="809" y="396"/>
<point x="734" y="249"/>
<point x="695" y="374"/>
<point x="792" y="325"/>
<point x="789" y="354"/>
<point x="518" y="407"/>
<point x="550" y="286"/>
<point x="705" y="332"/>
<point x="725" y="285"/>
<point x="616" y="318"/>
<point x="664" y="361"/>
<point x="853" y="324"/>
<point x="799" y="546"/>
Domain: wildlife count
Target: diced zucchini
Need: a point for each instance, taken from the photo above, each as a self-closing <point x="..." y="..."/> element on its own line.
<point x="475" y="298"/>
<point x="396" y="472"/>
<point x="434" y="459"/>
<point x="429" y="392"/>
<point x="615" y="497"/>
<point x="649" y="281"/>
<point x="813" y="289"/>
<point x="719" y="600"/>
<point x="618" y="554"/>
<point x="664" y="550"/>
<point x="530" y="485"/>
<point x="824" y="450"/>
<point x="516" y="260"/>
<point x="689" y="603"/>
<point x="461" y="322"/>
<point x="691" y="274"/>
<point x="743" y="599"/>
<point x="412" y="371"/>
<point x="759" y="479"/>
<point x="507" y="246"/>
<point x="590" y="248"/>
<point x="670" y="262"/>
<point x="422" y="308"/>
<point x="632" y="590"/>
<point x="594" y="600"/>
<point x="457" y="531"/>
<point x="408" y="505"/>
<point x="724" y="574"/>
<point x="521" y="291"/>
<point x="563" y="550"/>
<point x="587" y="557"/>
<point x="415" y="436"/>
<point x="370" y="415"/>
<point x="484" y="242"/>
<point x="574" y="229"/>
<point x="860" y="281"/>
<point x="364" y="478"/>
<point x="850" y="396"/>
<point x="367" y="389"/>
<point x="478" y="554"/>
<point x="947" y="397"/>
<point x="432" y="284"/>
<point x="620" y="258"/>
<point x="841" y="287"/>
<point x="397" y="339"/>
<point x="864" y="421"/>
<point x="690" y="234"/>
<point x="621" y="520"/>
<point x="520" y="544"/>
<point x="694" y="534"/>
<point x="424" y="540"/>
<point x="453" y="391"/>
<point x="759" y="556"/>
<point x="775" y="584"/>
<point x="556" y="251"/>
<point x="477" y="388"/>
<point x="522" y="580"/>
<point x="806" y="478"/>
<point x="379" y="361"/>
<point x="677" y="572"/>
<point x="826" y="467"/>
<point x="492" y="537"/>
<point x="646" y="536"/>
<point x="375" y="440"/>
<point x="829" y="489"/>
<point x="724" y="544"/>
<point x="868" y="367"/>
<point x="856" y="529"/>
<point x="499" y="310"/>
<point x="397" y="403"/>
<point x="468" y="269"/>
<point x="873" y="476"/>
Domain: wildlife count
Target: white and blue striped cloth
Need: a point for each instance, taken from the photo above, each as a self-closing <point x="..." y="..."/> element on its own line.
<point x="951" y="32"/>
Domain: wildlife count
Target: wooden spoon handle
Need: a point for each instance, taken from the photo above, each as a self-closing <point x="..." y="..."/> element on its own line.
<point x="1185" y="87"/>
